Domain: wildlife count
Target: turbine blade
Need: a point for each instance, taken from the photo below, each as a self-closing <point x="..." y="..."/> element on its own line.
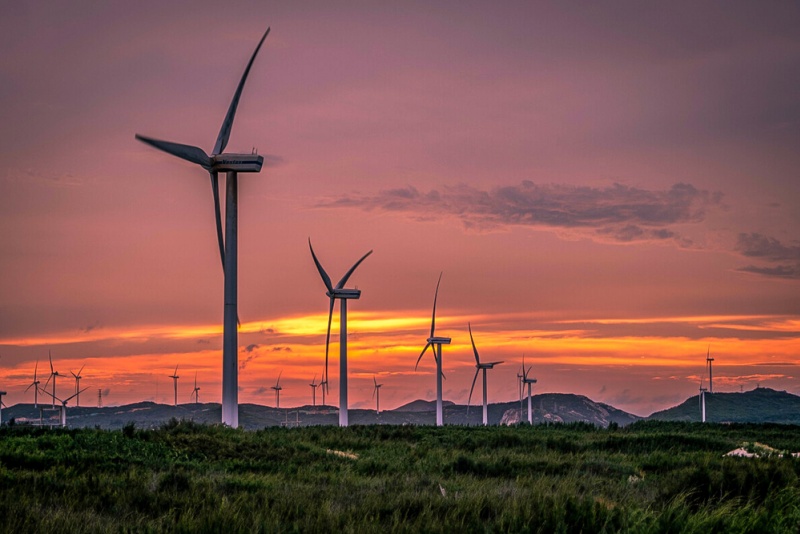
<point x="35" y="369"/>
<point x="343" y="281"/>
<point x="278" y="383"/>
<point x="189" y="153"/>
<point x="218" y="216"/>
<point x="81" y="369"/>
<point x="475" y="350"/>
<point x="475" y="379"/>
<point x="422" y="353"/>
<point x="50" y="357"/>
<point x="227" y="124"/>
<point x="374" y="381"/>
<point x="435" y="296"/>
<point x="325" y="278"/>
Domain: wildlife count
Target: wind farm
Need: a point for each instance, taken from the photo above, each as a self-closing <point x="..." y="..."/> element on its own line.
<point x="609" y="190"/>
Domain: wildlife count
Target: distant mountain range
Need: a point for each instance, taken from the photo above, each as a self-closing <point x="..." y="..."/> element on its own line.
<point x="758" y="405"/>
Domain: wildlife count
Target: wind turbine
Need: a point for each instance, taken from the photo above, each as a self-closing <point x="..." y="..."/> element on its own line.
<point x="277" y="387"/>
<point x="530" y="382"/>
<point x="232" y="164"/>
<point x="376" y="394"/>
<point x="78" y="385"/>
<point x="702" y="402"/>
<point x="709" y="359"/>
<point x="314" y="387"/>
<point x="339" y="292"/>
<point x="35" y="386"/>
<point x="174" y="376"/>
<point x="478" y="368"/>
<point x="323" y="384"/>
<point x="196" y="390"/>
<point x="53" y="375"/>
<point x="63" y="407"/>
<point x="435" y="343"/>
<point x="2" y="405"/>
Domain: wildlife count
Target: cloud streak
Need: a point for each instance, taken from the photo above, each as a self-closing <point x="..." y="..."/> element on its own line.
<point x="772" y="250"/>
<point x="617" y="213"/>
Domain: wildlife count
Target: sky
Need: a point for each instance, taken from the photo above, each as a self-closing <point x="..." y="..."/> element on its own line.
<point x="612" y="190"/>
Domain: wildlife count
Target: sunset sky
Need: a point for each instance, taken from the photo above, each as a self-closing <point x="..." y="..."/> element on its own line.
<point x="610" y="189"/>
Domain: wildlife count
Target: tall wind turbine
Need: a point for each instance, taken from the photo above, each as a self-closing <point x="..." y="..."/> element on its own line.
<point x="78" y="385"/>
<point x="376" y="394"/>
<point x="174" y="376"/>
<point x="435" y="343"/>
<point x="478" y="368"/>
<point x="709" y="359"/>
<point x="232" y="164"/>
<point x="196" y="390"/>
<point x="339" y="292"/>
<point x="529" y="381"/>
<point x="35" y="386"/>
<point x="277" y="387"/>
<point x="53" y="374"/>
<point x="314" y="387"/>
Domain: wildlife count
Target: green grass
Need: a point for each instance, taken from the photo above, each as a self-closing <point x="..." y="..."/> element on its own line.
<point x="648" y="477"/>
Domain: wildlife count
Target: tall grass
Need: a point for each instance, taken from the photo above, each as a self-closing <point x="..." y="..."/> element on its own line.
<point x="649" y="477"/>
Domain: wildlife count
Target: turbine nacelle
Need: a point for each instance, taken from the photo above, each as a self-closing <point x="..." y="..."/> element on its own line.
<point x="439" y="340"/>
<point x="344" y="293"/>
<point x="237" y="163"/>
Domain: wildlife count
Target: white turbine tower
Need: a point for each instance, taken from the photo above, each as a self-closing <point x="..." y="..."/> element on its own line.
<point x="376" y="394"/>
<point x="339" y="292"/>
<point x="174" y="376"/>
<point x="478" y="368"/>
<point x="232" y="164"/>
<point x="78" y="386"/>
<point x="277" y="387"/>
<point x="196" y="390"/>
<point x="435" y="343"/>
<point x="35" y="386"/>
<point x="702" y="402"/>
<point x="709" y="359"/>
<point x="529" y="382"/>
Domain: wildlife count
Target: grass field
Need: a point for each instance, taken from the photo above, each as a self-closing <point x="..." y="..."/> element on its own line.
<point x="647" y="477"/>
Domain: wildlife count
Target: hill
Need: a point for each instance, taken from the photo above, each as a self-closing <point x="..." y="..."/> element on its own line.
<point x="547" y="408"/>
<point x="760" y="405"/>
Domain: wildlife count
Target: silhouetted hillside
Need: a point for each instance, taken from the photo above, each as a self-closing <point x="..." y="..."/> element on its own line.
<point x="760" y="405"/>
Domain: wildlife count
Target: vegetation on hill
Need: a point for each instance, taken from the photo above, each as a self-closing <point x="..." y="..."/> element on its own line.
<point x="647" y="477"/>
<point x="759" y="405"/>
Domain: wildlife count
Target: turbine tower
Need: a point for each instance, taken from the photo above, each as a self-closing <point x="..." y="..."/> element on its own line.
<point x="314" y="387"/>
<point x="196" y="390"/>
<point x="478" y="368"/>
<point x="435" y="343"/>
<point x="78" y="386"/>
<point x="709" y="359"/>
<point x="35" y="386"/>
<point x="339" y="292"/>
<point x="530" y="382"/>
<point x="376" y="394"/>
<point x="174" y="376"/>
<point x="53" y="375"/>
<point x="702" y="402"/>
<point x="232" y="164"/>
<point x="277" y="387"/>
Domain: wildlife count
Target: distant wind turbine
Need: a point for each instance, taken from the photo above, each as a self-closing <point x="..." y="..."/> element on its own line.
<point x="277" y="387"/>
<point x="232" y="164"/>
<point x="63" y="407"/>
<point x="709" y="359"/>
<point x="376" y="394"/>
<point x="339" y="292"/>
<point x="78" y="386"/>
<point x="323" y="385"/>
<point x="35" y="386"/>
<point x="529" y="381"/>
<point x="53" y="374"/>
<point x="314" y="387"/>
<point x="2" y="405"/>
<point x="196" y="390"/>
<point x="174" y="376"/>
<point x="478" y="368"/>
<point x="435" y="344"/>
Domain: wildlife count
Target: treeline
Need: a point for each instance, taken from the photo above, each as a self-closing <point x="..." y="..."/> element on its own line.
<point x="646" y="477"/>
